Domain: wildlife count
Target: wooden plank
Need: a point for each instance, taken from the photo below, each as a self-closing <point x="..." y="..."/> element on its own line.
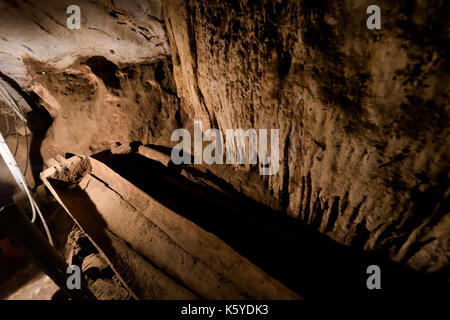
<point x="102" y="202"/>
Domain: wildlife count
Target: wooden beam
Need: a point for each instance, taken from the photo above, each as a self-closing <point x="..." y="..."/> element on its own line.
<point x="34" y="243"/>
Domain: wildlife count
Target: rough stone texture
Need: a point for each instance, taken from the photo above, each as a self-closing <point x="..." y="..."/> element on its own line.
<point x="121" y="31"/>
<point x="363" y="115"/>
<point x="139" y="104"/>
<point x="108" y="82"/>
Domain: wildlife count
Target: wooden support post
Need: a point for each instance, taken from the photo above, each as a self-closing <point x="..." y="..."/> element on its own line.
<point x="16" y="224"/>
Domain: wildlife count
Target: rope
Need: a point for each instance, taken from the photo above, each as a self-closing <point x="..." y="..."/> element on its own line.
<point x="44" y="223"/>
<point x="34" y="209"/>
<point x="14" y="167"/>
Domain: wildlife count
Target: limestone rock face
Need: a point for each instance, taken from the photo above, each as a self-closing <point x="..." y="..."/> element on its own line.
<point x="108" y="82"/>
<point x="120" y="31"/>
<point x="363" y="114"/>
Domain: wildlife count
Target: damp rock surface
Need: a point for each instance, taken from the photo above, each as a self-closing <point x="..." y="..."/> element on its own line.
<point x="363" y="114"/>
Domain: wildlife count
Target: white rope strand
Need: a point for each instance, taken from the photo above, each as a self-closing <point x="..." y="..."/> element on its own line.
<point x="14" y="168"/>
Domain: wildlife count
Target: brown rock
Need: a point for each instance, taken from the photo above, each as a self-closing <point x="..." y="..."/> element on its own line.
<point x="363" y="114"/>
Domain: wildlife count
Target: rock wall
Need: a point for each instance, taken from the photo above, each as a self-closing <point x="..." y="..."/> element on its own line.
<point x="363" y="114"/>
<point x="108" y="82"/>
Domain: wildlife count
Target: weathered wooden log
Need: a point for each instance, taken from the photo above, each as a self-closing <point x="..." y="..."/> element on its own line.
<point x="101" y="201"/>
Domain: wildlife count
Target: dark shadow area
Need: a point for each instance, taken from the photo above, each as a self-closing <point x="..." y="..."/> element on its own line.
<point x="7" y="190"/>
<point x="17" y="267"/>
<point x="15" y="274"/>
<point x="105" y="70"/>
<point x="39" y="121"/>
<point x="303" y="259"/>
